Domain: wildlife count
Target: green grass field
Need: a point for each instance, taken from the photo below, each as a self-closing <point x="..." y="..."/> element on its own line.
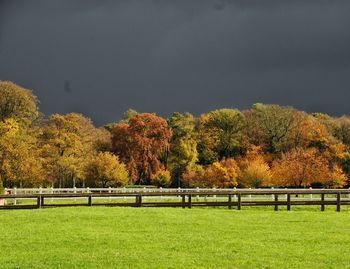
<point x="103" y="237"/>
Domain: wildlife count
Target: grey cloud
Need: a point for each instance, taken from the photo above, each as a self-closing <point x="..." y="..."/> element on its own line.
<point x="166" y="56"/>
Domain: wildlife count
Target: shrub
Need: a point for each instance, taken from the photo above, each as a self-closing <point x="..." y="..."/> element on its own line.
<point x="161" y="179"/>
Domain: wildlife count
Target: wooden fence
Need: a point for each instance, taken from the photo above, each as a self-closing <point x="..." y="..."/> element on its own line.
<point x="185" y="198"/>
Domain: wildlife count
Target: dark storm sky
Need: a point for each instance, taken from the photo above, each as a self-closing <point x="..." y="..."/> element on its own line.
<point x="102" y="57"/>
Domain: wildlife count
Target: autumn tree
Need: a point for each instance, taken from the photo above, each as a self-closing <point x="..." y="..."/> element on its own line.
<point x="183" y="144"/>
<point x="303" y="167"/>
<point x="271" y="126"/>
<point x="161" y="178"/>
<point x="193" y="176"/>
<point x="141" y="143"/>
<point x="309" y="132"/>
<point x="223" y="174"/>
<point x="68" y="141"/>
<point x="255" y="171"/>
<point x="105" y="170"/>
<point x="127" y="115"/>
<point x="20" y="161"/>
<point x="220" y="134"/>
<point x="17" y="103"/>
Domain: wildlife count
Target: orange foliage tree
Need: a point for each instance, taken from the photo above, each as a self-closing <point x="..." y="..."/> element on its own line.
<point x="303" y="167"/>
<point x="221" y="174"/>
<point x="140" y="143"/>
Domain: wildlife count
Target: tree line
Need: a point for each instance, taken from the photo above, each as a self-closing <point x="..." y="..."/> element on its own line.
<point x="266" y="145"/>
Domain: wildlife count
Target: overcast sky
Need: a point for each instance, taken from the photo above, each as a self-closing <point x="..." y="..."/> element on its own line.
<point x="102" y="57"/>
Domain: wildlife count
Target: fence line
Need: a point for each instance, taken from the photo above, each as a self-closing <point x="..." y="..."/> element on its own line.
<point x="176" y="197"/>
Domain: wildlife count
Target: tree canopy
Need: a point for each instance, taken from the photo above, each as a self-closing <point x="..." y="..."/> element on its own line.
<point x="266" y="145"/>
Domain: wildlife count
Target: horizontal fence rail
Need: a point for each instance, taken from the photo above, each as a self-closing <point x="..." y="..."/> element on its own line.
<point x="185" y="198"/>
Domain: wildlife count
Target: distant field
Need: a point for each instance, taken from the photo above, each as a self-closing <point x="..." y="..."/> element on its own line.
<point x="103" y="237"/>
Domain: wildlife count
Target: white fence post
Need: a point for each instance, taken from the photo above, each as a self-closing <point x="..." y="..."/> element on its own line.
<point x="75" y="191"/>
<point x="310" y="194"/>
<point x="286" y="195"/>
<point x="197" y="194"/>
<point x="15" y="192"/>
<point x="179" y="190"/>
<point x="124" y="191"/>
<point x="51" y="191"/>
<point x="272" y="196"/>
<point x="161" y="190"/>
<point x="234" y="196"/>
<point x="109" y="191"/>
<point x="250" y="196"/>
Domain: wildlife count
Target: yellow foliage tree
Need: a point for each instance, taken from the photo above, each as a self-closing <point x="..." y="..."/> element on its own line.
<point x="20" y="162"/>
<point x="105" y="170"/>
<point x="161" y="178"/>
<point x="255" y="174"/>
<point x="68" y="142"/>
<point x="17" y="103"/>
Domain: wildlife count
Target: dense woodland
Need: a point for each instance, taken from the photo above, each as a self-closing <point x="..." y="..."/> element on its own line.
<point x="267" y="145"/>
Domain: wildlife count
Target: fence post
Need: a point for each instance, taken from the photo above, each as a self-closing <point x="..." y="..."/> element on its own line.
<point x="272" y="196"/>
<point x="161" y="190"/>
<point x="190" y="201"/>
<point x="288" y="201"/>
<point x="229" y="201"/>
<point x="90" y="200"/>
<point x="124" y="191"/>
<point x="310" y="193"/>
<point x="51" y="191"/>
<point x="183" y="201"/>
<point x="197" y="194"/>
<point x="235" y="196"/>
<point x="239" y="202"/>
<point x="286" y="196"/>
<point x="15" y="192"/>
<point x="42" y="201"/>
<point x="250" y="196"/>
<point x="109" y="191"/>
<point x="276" y="201"/>
<point x="214" y="196"/>
<point x="38" y="201"/>
<point x="338" y="202"/>
<point x="179" y="190"/>
<point x="322" y="201"/>
<point x="75" y="191"/>
<point x="139" y="200"/>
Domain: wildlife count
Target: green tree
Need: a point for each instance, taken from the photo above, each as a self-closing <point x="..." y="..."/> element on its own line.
<point x="183" y="144"/>
<point x="220" y="134"/>
<point x="271" y="126"/>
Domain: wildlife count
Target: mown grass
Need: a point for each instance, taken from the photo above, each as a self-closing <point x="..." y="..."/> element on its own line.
<point x="104" y="237"/>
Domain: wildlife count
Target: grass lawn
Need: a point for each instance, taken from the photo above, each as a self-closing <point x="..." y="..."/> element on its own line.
<point x="104" y="237"/>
